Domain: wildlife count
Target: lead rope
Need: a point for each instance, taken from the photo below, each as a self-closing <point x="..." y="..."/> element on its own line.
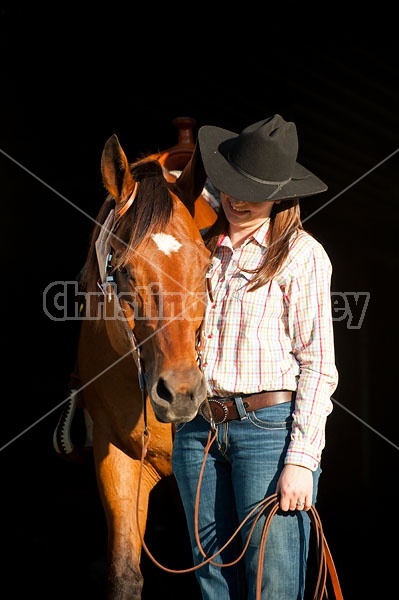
<point x="326" y="564"/>
<point x="270" y="504"/>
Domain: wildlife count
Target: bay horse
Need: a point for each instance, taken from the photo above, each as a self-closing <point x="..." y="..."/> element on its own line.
<point x="137" y="358"/>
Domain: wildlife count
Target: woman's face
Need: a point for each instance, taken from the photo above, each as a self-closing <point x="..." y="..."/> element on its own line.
<point x="245" y="213"/>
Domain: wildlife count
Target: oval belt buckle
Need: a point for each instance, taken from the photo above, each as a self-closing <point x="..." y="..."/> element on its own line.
<point x="218" y="417"/>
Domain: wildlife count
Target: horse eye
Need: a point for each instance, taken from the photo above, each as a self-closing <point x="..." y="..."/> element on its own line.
<point x="122" y="270"/>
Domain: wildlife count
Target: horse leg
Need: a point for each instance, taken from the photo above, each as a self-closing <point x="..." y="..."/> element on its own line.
<point x="118" y="479"/>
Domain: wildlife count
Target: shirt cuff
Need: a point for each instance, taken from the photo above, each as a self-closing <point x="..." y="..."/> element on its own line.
<point x="303" y="457"/>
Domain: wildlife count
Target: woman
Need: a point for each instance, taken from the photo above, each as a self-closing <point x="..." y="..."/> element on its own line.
<point x="268" y="361"/>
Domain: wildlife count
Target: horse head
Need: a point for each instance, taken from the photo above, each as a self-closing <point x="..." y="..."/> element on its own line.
<point x="153" y="281"/>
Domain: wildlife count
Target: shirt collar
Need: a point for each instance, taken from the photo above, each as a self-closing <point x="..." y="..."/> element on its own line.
<point x="259" y="236"/>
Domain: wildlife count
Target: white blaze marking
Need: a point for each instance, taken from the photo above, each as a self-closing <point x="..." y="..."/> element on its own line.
<point x="166" y="243"/>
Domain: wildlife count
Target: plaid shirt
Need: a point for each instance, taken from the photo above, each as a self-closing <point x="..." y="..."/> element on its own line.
<point x="277" y="337"/>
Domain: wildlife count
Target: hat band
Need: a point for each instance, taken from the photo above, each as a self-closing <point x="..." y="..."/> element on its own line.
<point x="279" y="184"/>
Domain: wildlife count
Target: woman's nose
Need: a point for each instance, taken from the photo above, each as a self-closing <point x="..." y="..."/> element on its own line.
<point x="236" y="202"/>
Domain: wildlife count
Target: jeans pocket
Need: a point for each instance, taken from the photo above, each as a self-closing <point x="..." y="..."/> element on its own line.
<point x="278" y="416"/>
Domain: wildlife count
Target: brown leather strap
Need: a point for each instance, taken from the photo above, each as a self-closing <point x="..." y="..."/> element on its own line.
<point x="325" y="560"/>
<point x="326" y="566"/>
<point x="225" y="409"/>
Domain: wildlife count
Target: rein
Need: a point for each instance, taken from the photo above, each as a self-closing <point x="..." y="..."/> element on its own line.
<point x="326" y="566"/>
<point x="260" y="509"/>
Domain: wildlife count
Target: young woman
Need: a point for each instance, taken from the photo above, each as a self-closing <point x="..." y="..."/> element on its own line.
<point x="268" y="360"/>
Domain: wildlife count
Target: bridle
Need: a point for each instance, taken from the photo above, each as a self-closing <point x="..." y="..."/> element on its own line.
<point x="108" y="286"/>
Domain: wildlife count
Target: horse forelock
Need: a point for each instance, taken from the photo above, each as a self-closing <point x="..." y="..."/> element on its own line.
<point x="151" y="210"/>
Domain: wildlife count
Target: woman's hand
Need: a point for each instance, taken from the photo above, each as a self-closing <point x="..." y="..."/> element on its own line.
<point x="295" y="488"/>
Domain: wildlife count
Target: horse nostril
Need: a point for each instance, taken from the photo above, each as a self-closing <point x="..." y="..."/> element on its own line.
<point x="163" y="392"/>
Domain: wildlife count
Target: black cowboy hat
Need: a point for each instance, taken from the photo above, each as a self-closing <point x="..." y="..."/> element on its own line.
<point x="259" y="164"/>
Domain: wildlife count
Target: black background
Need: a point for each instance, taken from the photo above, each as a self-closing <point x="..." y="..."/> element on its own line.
<point x="69" y="79"/>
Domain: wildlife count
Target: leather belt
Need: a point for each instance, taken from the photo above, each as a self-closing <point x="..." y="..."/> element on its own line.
<point x="225" y="409"/>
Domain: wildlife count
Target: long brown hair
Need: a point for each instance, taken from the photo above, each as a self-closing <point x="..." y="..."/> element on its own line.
<point x="285" y="220"/>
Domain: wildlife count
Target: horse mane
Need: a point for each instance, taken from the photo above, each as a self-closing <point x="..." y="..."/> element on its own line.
<point x="150" y="211"/>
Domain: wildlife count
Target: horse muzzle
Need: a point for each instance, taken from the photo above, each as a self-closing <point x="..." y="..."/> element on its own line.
<point x="177" y="394"/>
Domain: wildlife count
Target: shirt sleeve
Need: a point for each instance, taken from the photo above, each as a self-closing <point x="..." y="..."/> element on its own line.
<point x="311" y="332"/>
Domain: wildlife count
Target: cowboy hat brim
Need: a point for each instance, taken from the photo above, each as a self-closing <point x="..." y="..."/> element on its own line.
<point x="215" y="143"/>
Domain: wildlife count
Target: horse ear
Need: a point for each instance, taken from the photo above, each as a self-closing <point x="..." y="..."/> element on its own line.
<point x="115" y="170"/>
<point x="190" y="183"/>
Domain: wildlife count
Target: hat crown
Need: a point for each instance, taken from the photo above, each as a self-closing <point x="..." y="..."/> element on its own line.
<point x="266" y="150"/>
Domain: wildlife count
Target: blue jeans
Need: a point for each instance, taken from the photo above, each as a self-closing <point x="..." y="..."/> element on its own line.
<point x="242" y="468"/>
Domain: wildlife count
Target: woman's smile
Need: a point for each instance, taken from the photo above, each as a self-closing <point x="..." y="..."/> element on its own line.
<point x="239" y="212"/>
<point x="237" y="208"/>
